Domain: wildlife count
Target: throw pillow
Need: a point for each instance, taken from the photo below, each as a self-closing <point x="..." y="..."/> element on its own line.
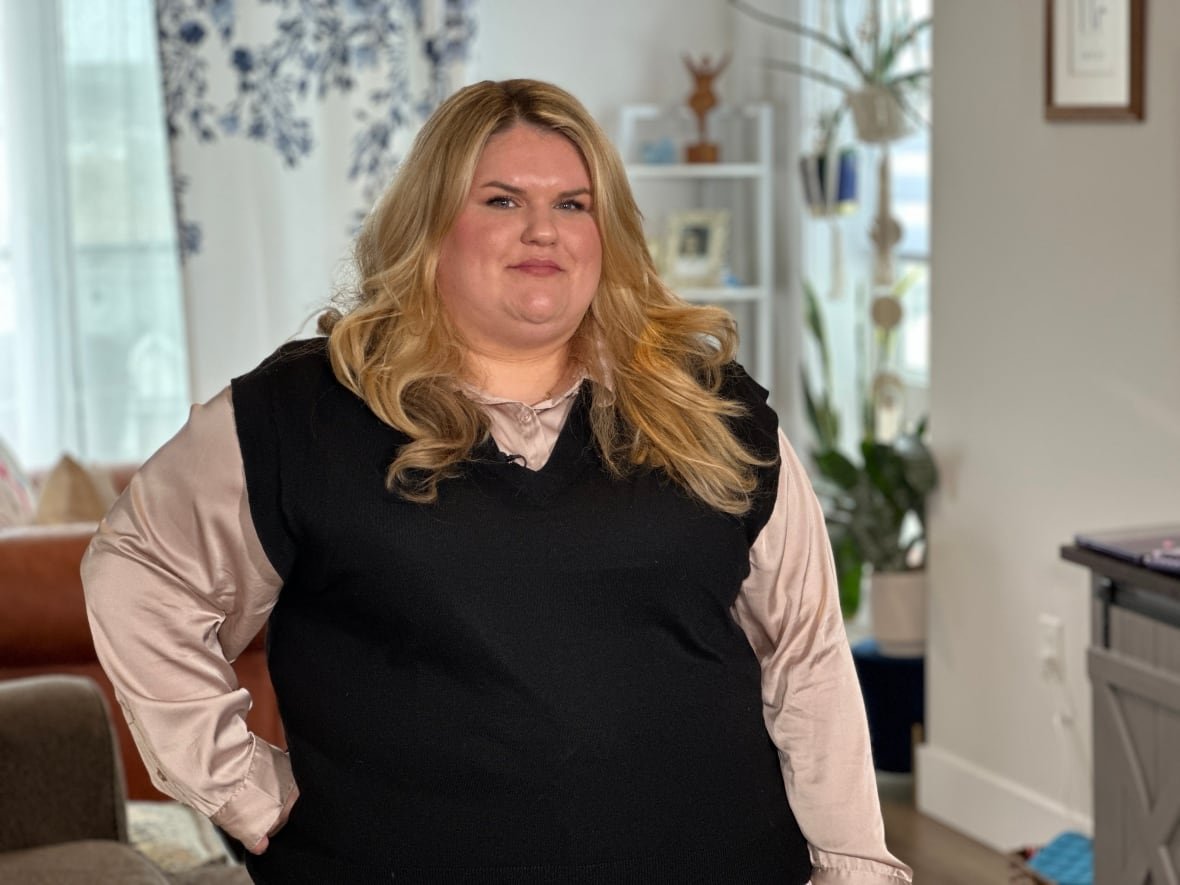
<point x="72" y="494"/>
<point x="16" y="492"/>
<point x="173" y="836"/>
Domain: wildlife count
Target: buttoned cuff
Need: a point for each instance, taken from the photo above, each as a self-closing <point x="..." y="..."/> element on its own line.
<point x="839" y="869"/>
<point x="260" y="803"/>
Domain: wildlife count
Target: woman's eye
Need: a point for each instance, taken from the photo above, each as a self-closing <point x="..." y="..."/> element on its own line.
<point x="574" y="205"/>
<point x="501" y="202"/>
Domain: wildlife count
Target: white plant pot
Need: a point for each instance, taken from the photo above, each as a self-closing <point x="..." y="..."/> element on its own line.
<point x="877" y="115"/>
<point x="897" y="611"/>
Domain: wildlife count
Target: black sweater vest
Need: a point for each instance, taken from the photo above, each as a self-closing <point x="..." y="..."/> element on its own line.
<point x="535" y="679"/>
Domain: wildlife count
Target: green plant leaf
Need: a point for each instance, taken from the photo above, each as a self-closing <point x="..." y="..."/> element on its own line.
<point x="906" y="79"/>
<point x="915" y="31"/>
<point x="837" y="468"/>
<point x="829" y="127"/>
<point x="907" y="281"/>
<point x="814" y="317"/>
<point x="849" y="569"/>
<point x="811" y="408"/>
<point x="907" y="107"/>
<point x="847" y="41"/>
<point x="921" y="473"/>
<point x="812" y="314"/>
<point x="793" y="67"/>
<point x="875" y="39"/>
<point x="842" y="48"/>
<point x="902" y="34"/>
<point x="881" y="50"/>
<point x="821" y="411"/>
<point x="825" y="424"/>
<point x="868" y="413"/>
<point x="886" y="472"/>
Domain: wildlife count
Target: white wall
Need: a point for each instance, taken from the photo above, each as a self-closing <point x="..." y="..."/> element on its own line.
<point x="1055" y="399"/>
<point x="606" y="52"/>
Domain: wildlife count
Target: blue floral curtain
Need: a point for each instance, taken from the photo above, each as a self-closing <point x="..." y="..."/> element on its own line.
<point x="286" y="119"/>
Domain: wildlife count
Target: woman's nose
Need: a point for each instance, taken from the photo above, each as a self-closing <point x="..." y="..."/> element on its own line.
<point x="539" y="228"/>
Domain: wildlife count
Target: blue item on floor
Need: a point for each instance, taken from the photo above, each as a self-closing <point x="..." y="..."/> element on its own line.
<point x="893" y="690"/>
<point x="1068" y="859"/>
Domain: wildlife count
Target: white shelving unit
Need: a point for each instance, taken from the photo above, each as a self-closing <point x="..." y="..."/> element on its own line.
<point x="751" y="206"/>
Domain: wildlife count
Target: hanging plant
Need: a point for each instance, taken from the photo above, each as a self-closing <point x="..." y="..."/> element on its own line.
<point x="829" y="174"/>
<point x="876" y="83"/>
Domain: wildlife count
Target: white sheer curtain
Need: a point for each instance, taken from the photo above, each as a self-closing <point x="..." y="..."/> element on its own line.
<point x="287" y="118"/>
<point x="92" y="356"/>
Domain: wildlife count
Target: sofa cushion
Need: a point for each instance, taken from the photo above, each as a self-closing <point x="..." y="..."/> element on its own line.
<point x="71" y="493"/>
<point x="60" y="771"/>
<point x="175" y="837"/>
<point x="44" y="622"/>
<point x="16" y="494"/>
<point x="79" y="863"/>
<point x="212" y="874"/>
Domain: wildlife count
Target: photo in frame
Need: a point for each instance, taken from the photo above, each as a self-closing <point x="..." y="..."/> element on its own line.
<point x="694" y="248"/>
<point x="1094" y="64"/>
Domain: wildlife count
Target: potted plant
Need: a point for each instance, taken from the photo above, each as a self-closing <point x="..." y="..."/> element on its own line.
<point x="829" y="173"/>
<point x="877" y="84"/>
<point x="874" y="505"/>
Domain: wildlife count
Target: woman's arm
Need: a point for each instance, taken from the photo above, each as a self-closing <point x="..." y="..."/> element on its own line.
<point x="177" y="585"/>
<point x="789" y="607"/>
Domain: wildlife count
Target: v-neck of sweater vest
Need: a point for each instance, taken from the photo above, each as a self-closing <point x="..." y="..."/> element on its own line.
<point x="572" y="452"/>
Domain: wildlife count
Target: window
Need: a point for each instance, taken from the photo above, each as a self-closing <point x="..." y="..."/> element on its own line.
<point x="92" y="356"/>
<point x="7" y="295"/>
<point x="911" y="207"/>
<point x="838" y="257"/>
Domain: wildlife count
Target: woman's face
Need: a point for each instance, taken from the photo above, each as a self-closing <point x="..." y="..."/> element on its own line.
<point x="520" y="266"/>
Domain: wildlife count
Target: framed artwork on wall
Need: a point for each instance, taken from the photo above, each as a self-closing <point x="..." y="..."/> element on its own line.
<point x="694" y="250"/>
<point x="1094" y="65"/>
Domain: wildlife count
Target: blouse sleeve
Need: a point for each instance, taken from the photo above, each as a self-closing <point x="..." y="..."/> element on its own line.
<point x="177" y="585"/>
<point x="789" y="608"/>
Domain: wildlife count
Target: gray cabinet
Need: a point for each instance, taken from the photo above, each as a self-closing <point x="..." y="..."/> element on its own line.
<point x="1134" y="668"/>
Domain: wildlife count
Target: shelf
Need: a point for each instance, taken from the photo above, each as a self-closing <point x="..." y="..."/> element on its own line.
<point x="695" y="170"/>
<point x="721" y="293"/>
<point x="668" y="189"/>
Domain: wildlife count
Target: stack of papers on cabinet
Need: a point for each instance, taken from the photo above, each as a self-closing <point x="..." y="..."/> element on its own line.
<point x="1156" y="548"/>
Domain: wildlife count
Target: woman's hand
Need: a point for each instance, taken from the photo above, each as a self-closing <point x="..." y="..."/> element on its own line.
<point x="264" y="842"/>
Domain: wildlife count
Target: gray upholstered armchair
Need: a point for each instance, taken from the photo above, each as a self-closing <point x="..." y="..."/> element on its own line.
<point x="62" y="804"/>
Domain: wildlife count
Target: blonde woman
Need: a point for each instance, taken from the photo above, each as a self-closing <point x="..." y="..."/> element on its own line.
<point x="549" y="597"/>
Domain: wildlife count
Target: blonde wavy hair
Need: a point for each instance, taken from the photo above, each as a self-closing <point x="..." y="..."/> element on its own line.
<point x="655" y="362"/>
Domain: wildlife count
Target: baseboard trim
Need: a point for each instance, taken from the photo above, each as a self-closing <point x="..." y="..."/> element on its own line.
<point x="991" y="809"/>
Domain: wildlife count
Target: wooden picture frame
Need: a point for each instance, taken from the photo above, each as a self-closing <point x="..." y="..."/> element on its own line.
<point x="695" y="245"/>
<point x="1094" y="59"/>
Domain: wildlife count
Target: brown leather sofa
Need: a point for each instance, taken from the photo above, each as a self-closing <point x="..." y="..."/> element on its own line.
<point x="43" y="630"/>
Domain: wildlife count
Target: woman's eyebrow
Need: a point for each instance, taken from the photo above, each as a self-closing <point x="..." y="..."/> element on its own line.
<point x="564" y="195"/>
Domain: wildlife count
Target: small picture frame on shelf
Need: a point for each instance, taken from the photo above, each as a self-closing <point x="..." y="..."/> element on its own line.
<point x="651" y="134"/>
<point x="694" y="250"/>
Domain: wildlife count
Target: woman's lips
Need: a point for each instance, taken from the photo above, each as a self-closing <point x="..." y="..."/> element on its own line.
<point x="538" y="267"/>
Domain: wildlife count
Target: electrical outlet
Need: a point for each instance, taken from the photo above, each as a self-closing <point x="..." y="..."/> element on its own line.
<point x="1051" y="647"/>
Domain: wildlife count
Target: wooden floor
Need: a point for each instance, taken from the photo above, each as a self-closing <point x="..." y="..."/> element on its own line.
<point x="938" y="854"/>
